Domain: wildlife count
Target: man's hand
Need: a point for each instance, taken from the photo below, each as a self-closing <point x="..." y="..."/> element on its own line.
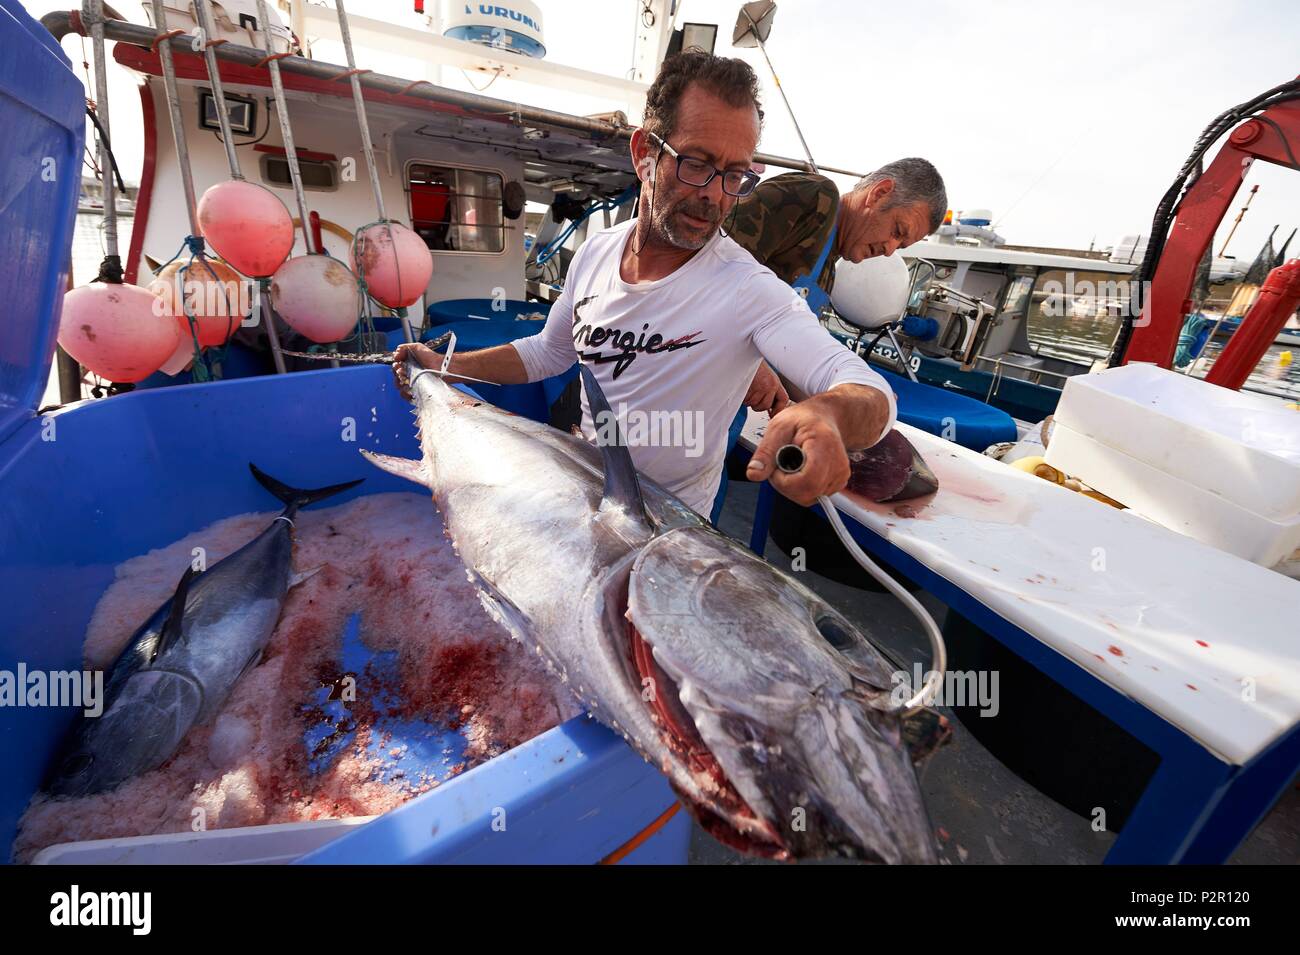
<point x="766" y="392"/>
<point x="826" y="463"/>
<point x="423" y="354"/>
<point x="499" y="364"/>
<point x="823" y="426"/>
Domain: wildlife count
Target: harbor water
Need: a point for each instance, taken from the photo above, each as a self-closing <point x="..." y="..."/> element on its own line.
<point x="1089" y="338"/>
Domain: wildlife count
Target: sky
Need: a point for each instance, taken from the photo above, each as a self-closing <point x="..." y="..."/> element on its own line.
<point x="1067" y="118"/>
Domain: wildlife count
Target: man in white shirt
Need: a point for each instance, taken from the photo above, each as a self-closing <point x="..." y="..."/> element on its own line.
<point x="674" y="318"/>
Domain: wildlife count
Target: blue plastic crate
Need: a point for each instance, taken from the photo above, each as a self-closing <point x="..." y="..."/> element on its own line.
<point x="83" y="489"/>
<point x="42" y="113"/>
<point x="137" y="471"/>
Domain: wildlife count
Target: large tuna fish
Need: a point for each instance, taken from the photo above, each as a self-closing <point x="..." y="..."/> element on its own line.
<point x="182" y="663"/>
<point x="766" y="709"/>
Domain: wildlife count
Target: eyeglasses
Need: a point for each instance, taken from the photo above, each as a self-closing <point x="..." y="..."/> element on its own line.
<point x="698" y="173"/>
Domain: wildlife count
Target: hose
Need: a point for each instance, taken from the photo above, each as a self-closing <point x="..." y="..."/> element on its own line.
<point x="938" y="649"/>
<point x="790" y="459"/>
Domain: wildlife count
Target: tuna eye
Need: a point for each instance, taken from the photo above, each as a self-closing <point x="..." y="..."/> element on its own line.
<point x="836" y="634"/>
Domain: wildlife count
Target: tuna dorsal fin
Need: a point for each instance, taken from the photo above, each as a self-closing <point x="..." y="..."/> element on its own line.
<point x="171" y="629"/>
<point x="621" y="484"/>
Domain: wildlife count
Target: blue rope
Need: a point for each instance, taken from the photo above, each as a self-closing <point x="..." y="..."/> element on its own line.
<point x="203" y="369"/>
<point x="1191" y="339"/>
<point x="554" y="245"/>
<point x="364" y="331"/>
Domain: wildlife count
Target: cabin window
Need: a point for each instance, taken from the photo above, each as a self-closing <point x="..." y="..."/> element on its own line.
<point x="457" y="210"/>
<point x="1017" y="296"/>
<point x="1083" y="308"/>
<point x="318" y="175"/>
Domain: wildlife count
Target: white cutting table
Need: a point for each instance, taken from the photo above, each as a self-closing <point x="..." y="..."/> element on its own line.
<point x="1193" y="651"/>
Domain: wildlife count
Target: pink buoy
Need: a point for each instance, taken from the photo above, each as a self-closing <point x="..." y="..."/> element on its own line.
<point x="394" y="261"/>
<point x="318" y="296"/>
<point x="247" y="225"/>
<point x="120" y="332"/>
<point x="216" y="295"/>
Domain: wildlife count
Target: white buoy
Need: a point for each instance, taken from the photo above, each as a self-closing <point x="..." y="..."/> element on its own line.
<point x="318" y="296"/>
<point x="872" y="292"/>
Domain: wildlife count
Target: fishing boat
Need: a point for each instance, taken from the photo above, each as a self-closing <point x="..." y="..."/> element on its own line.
<point x="1288" y="337"/>
<point x="577" y="782"/>
<point x="1006" y="551"/>
<point x="1007" y="368"/>
<point x="461" y="168"/>
<point x="1029" y="319"/>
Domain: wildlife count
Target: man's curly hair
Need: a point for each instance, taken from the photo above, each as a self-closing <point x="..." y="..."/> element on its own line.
<point x="731" y="80"/>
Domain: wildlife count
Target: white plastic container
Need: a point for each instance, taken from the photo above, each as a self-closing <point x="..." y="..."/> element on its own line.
<point x="1218" y="465"/>
<point x="1173" y="503"/>
<point x="260" y="845"/>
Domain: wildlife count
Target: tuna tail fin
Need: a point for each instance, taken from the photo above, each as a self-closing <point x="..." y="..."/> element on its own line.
<point x="296" y="497"/>
<point x="621" y="484"/>
<point x="171" y="629"/>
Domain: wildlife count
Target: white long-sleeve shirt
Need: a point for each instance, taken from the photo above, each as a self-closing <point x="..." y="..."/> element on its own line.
<point x="675" y="357"/>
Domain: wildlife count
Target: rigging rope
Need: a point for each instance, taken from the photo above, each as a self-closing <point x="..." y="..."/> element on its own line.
<point x="203" y="368"/>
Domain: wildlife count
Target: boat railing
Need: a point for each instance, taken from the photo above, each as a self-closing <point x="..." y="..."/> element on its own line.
<point x="1000" y="364"/>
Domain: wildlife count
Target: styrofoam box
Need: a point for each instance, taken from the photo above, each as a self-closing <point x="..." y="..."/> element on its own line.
<point x="1241" y="447"/>
<point x="262" y="845"/>
<point x="1171" y="502"/>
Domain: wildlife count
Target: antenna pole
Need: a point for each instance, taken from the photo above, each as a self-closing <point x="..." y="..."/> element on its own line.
<point x="1236" y="222"/>
<point x="93" y="14"/>
<point x="776" y="79"/>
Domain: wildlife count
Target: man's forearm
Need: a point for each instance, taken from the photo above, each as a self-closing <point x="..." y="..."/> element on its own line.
<point x="500" y="364"/>
<point x="859" y="411"/>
